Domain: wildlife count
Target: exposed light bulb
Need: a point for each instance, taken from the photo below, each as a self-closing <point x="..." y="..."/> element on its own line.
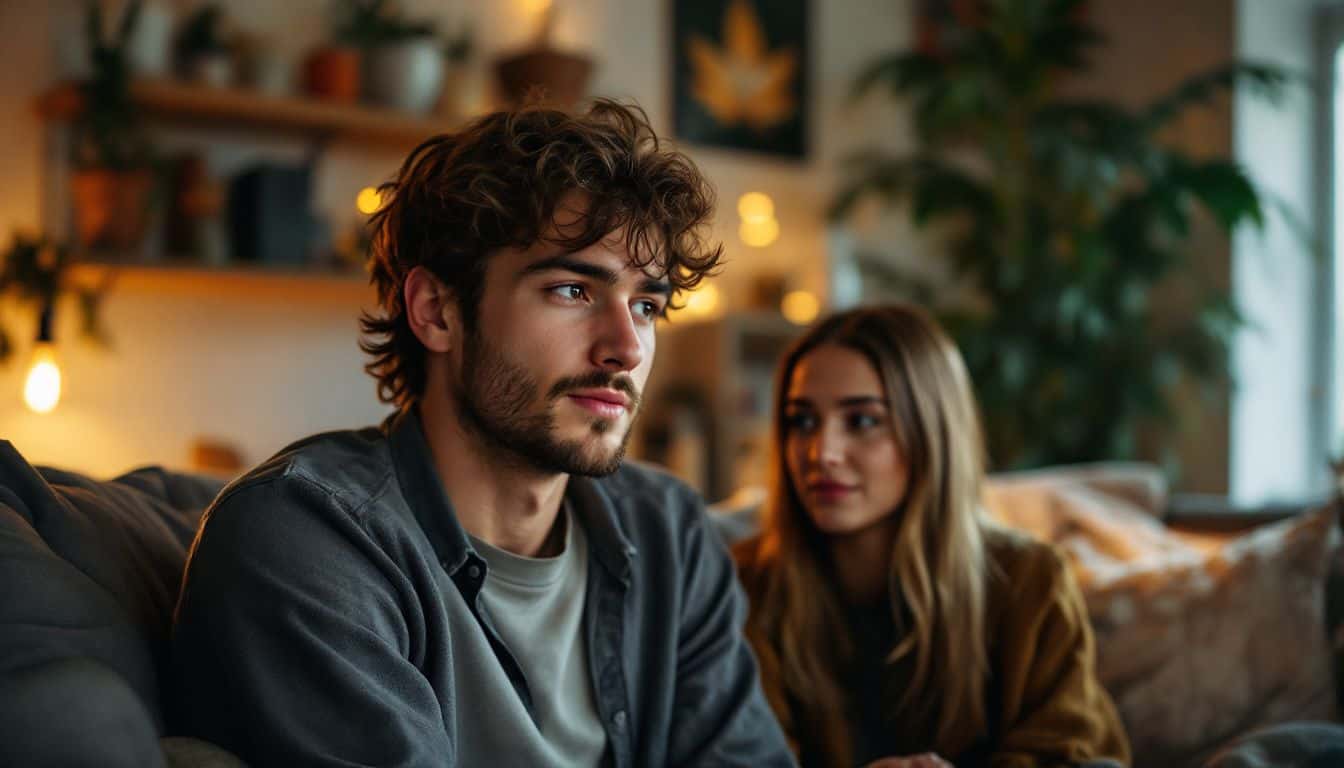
<point x="755" y="206"/>
<point x="702" y="301"/>
<point x="42" y="385"/>
<point x="758" y="233"/>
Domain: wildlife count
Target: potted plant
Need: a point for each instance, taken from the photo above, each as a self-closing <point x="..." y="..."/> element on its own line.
<point x="32" y="275"/>
<point x="1060" y="218"/>
<point x="150" y="48"/>
<point x="457" y="54"/>
<point x="204" y="52"/>
<point x="541" y="72"/>
<point x="112" y="156"/>
<point x="403" y="64"/>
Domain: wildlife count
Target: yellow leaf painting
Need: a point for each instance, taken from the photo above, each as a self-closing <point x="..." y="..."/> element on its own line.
<point x="743" y="81"/>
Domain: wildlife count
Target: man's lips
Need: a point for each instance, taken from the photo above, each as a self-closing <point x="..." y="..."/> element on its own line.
<point x="607" y="403"/>
<point x="603" y="395"/>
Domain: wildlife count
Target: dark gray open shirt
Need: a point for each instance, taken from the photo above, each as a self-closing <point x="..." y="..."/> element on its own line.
<point x="311" y="628"/>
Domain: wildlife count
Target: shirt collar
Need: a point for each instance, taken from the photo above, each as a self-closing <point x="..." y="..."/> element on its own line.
<point x="424" y="492"/>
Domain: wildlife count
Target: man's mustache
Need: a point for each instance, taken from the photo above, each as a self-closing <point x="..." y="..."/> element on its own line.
<point x="598" y="380"/>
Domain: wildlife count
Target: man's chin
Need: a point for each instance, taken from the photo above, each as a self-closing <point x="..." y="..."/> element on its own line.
<point x="595" y="454"/>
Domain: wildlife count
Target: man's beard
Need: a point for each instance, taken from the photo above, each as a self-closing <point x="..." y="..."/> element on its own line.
<point x="497" y="400"/>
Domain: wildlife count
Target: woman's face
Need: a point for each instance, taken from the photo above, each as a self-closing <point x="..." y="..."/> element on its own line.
<point x="840" y="442"/>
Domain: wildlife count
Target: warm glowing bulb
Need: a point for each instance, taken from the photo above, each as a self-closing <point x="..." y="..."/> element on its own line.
<point x="42" y="385"/>
<point x="799" y="307"/>
<point x="702" y="302"/>
<point x="758" y="233"/>
<point x="369" y="200"/>
<point x="755" y="206"/>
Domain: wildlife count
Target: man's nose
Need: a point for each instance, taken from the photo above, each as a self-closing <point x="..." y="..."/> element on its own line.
<point x="618" y="346"/>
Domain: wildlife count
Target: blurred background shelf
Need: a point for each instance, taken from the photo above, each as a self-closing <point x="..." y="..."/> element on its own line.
<point x="196" y="105"/>
<point x="296" y="283"/>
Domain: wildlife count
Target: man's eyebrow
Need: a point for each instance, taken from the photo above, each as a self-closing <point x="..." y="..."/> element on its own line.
<point x="567" y="263"/>
<point x="654" y="285"/>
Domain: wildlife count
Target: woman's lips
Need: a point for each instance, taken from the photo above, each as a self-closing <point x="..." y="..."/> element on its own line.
<point x="604" y="408"/>
<point x="831" y="491"/>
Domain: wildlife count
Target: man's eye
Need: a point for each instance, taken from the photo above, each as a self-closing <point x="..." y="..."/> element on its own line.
<point x="648" y="309"/>
<point x="569" y="291"/>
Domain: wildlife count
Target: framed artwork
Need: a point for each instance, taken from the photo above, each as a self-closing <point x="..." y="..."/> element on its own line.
<point x="739" y="74"/>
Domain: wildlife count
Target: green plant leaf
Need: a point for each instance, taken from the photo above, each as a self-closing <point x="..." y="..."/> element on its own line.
<point x="1265" y="80"/>
<point x="1224" y="189"/>
<point x="899" y="72"/>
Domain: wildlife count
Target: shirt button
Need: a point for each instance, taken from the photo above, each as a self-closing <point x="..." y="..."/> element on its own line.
<point x="618" y="720"/>
<point x="474" y="571"/>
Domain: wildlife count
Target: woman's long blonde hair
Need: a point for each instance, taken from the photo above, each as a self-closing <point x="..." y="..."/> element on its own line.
<point x="937" y="582"/>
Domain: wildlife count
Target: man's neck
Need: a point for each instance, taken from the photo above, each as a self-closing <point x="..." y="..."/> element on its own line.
<point x="506" y="505"/>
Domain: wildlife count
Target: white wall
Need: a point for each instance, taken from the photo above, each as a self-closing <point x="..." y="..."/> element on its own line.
<point x="262" y="370"/>
<point x="1274" y="272"/>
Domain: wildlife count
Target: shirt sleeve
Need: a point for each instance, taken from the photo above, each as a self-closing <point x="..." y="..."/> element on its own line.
<point x="292" y="642"/>
<point x="1054" y="710"/>
<point x="720" y="714"/>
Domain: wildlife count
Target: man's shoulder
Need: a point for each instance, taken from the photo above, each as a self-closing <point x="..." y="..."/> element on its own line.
<point x="350" y="466"/>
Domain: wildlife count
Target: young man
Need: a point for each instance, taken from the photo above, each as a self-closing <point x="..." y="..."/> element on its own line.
<point x="481" y="581"/>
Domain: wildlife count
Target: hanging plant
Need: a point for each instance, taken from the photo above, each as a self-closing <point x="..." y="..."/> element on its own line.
<point x="32" y="276"/>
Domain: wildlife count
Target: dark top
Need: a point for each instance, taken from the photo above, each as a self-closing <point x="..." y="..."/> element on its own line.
<point x="311" y="628"/>
<point x="1044" y="704"/>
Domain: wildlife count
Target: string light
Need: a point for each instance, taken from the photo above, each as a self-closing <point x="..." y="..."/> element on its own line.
<point x="369" y="201"/>
<point x="799" y="307"/>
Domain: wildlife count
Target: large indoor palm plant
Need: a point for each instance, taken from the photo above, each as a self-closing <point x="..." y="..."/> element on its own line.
<point x="1060" y="218"/>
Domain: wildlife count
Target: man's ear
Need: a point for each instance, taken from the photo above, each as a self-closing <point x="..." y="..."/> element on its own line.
<point x="432" y="311"/>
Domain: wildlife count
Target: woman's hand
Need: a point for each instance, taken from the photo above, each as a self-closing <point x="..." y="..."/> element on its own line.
<point x="926" y="760"/>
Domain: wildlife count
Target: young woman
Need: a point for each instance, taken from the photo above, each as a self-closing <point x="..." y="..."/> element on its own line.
<point x="894" y="624"/>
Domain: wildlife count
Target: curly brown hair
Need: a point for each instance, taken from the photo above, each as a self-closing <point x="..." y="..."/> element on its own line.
<point x="460" y="197"/>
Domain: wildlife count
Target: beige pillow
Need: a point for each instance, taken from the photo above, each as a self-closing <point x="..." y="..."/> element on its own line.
<point x="1104" y="536"/>
<point x="1197" y="653"/>
<point x="1197" y="644"/>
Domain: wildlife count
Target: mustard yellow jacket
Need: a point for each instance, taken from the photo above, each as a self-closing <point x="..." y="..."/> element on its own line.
<point x="1049" y="709"/>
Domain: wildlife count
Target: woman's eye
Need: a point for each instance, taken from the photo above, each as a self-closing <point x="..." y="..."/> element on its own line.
<point x="799" y="422"/>
<point x="862" y="421"/>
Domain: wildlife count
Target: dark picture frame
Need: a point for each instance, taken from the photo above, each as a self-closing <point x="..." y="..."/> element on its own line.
<point x="740" y="74"/>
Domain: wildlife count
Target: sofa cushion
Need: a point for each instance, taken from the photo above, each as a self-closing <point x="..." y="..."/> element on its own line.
<point x="74" y="713"/>
<point x="91" y="569"/>
<point x="1191" y="633"/>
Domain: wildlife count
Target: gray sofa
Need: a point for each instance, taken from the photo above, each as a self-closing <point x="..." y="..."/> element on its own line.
<point x="89" y="574"/>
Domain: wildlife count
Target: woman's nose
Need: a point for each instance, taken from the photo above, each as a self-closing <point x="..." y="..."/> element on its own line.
<point x="827" y="447"/>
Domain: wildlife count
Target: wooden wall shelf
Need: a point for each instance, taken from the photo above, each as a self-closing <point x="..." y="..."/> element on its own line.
<point x="295" y="284"/>
<point x="193" y="104"/>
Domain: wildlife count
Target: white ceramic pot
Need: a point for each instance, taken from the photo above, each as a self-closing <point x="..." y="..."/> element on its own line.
<point x="212" y="69"/>
<point x="407" y="76"/>
<point x="150" y="48"/>
<point x="270" y="73"/>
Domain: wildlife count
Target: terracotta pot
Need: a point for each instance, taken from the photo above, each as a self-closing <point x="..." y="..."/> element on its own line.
<point x="451" y="104"/>
<point x="332" y="74"/>
<point x="553" y="77"/>
<point x="111" y="207"/>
